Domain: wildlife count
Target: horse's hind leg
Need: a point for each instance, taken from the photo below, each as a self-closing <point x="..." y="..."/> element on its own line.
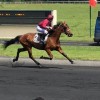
<point x="49" y="54"/>
<point x="31" y="56"/>
<point x="18" y="51"/>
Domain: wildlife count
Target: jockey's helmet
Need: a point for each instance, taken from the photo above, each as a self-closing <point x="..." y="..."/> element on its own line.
<point x="50" y="17"/>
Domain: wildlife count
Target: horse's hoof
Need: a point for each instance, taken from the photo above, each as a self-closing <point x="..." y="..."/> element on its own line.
<point x="72" y="62"/>
<point x="50" y="58"/>
<point x="14" y="60"/>
<point x="41" y="57"/>
<point x="40" y="66"/>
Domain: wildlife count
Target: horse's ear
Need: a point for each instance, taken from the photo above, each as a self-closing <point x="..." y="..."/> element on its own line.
<point x="64" y="22"/>
<point x="61" y="22"/>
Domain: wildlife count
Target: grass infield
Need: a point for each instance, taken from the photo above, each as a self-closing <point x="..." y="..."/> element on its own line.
<point x="74" y="52"/>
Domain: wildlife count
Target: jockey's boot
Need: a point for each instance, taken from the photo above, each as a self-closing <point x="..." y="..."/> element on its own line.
<point x="42" y="42"/>
<point x="42" y="39"/>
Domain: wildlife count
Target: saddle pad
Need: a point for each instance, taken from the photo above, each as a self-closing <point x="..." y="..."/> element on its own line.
<point x="36" y="38"/>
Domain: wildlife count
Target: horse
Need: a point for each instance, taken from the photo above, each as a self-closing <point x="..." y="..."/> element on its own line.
<point x="52" y="43"/>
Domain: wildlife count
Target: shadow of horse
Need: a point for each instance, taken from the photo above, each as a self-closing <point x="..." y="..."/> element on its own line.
<point x="26" y="65"/>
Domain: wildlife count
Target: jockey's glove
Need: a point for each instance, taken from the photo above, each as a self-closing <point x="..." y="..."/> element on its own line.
<point x="48" y="27"/>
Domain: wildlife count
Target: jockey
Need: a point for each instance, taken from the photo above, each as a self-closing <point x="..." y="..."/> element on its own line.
<point x="45" y="25"/>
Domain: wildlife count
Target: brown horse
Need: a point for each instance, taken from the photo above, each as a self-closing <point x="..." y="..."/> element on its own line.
<point x="52" y="43"/>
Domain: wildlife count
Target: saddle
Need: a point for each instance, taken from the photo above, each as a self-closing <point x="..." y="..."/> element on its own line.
<point x="40" y="38"/>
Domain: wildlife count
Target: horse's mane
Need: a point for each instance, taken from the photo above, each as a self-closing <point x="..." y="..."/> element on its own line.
<point x="55" y="26"/>
<point x="59" y="23"/>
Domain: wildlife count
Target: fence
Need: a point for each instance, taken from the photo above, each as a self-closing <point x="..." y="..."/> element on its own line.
<point x="25" y="16"/>
<point x="31" y="2"/>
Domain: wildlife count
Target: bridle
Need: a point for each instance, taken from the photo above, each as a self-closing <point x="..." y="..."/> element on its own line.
<point x="66" y="29"/>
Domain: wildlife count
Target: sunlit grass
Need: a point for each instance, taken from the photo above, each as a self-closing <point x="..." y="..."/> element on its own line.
<point x="74" y="52"/>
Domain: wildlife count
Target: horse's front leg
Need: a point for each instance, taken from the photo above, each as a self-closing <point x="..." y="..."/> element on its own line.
<point x="61" y="51"/>
<point x="18" y="51"/>
<point x="49" y="54"/>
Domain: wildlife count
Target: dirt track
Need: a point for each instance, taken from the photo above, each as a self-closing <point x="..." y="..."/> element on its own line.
<point x="26" y="81"/>
<point x="10" y="31"/>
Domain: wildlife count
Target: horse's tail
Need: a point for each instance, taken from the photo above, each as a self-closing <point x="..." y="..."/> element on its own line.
<point x="12" y="41"/>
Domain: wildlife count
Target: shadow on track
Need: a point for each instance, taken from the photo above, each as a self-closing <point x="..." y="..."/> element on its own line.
<point x="35" y="66"/>
<point x="28" y="65"/>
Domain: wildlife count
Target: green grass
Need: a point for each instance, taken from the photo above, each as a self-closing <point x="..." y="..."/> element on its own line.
<point x="74" y="52"/>
<point x="76" y="15"/>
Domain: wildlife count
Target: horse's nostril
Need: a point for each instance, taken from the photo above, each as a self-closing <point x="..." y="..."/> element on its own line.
<point x="70" y="35"/>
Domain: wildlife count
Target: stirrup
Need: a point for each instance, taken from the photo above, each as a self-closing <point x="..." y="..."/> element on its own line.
<point x="42" y="42"/>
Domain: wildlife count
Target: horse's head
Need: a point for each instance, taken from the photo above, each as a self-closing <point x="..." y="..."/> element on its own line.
<point x="66" y="29"/>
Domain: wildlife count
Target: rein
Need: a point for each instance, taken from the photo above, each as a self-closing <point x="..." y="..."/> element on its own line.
<point x="63" y="28"/>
